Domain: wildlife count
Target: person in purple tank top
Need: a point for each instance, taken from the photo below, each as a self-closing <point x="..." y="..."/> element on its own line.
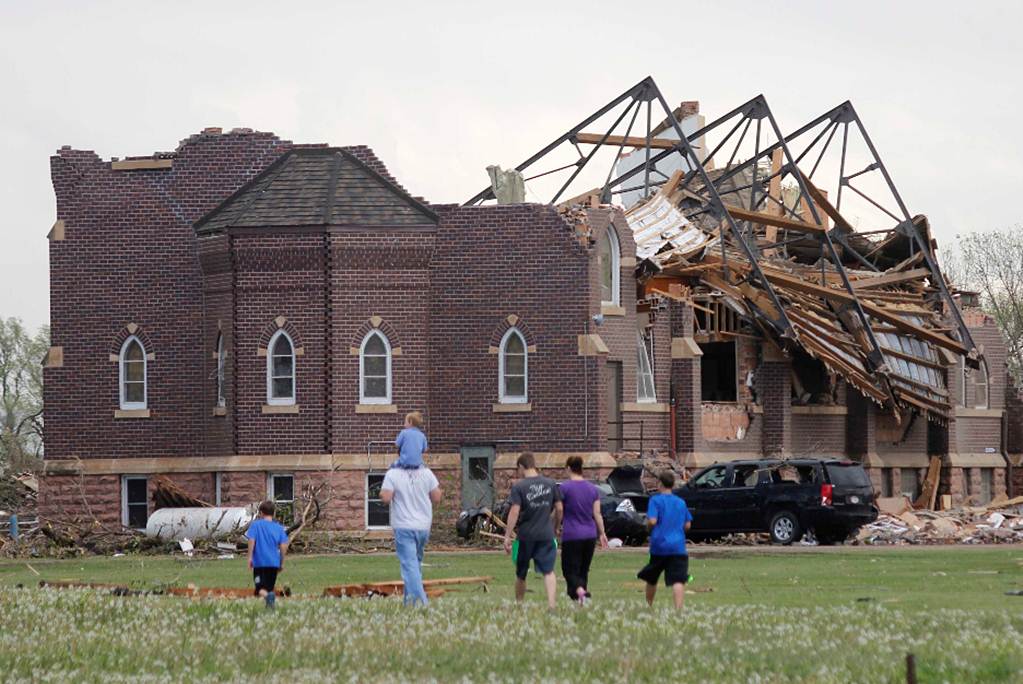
<point x="581" y="528"/>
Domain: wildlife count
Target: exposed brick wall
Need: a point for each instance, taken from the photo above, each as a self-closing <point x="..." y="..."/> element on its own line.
<point x="775" y="393"/>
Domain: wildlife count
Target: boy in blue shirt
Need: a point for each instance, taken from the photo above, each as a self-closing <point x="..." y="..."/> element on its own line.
<point x="668" y="519"/>
<point x="411" y="443"/>
<point x="268" y="542"/>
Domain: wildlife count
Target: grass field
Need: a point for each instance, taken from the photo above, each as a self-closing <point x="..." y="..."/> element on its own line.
<point x="850" y="615"/>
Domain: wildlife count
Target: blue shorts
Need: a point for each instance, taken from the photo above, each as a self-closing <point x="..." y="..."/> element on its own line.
<point x="543" y="553"/>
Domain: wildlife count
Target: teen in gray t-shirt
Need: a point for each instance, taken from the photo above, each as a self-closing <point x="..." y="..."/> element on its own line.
<point x="536" y="497"/>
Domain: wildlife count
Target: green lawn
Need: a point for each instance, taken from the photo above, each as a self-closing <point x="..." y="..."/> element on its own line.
<point x="846" y="615"/>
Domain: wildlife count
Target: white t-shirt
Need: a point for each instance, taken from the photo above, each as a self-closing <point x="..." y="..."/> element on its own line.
<point x="411" y="508"/>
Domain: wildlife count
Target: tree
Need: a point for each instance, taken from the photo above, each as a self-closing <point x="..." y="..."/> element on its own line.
<point x="21" y="395"/>
<point x="991" y="263"/>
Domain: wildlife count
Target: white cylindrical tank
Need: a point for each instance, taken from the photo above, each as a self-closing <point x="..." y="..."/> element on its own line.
<point x="175" y="524"/>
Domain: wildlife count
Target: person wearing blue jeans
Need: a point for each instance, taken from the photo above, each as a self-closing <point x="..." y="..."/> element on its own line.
<point x="411" y="495"/>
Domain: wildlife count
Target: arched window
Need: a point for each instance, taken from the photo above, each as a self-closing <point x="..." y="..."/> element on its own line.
<point x="609" y="255"/>
<point x="644" y="371"/>
<point x="221" y="362"/>
<point x="280" y="369"/>
<point x="513" y="368"/>
<point x="375" y="369"/>
<point x="980" y="386"/>
<point x="133" y="374"/>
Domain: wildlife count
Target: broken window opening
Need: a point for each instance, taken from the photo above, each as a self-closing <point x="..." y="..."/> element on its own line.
<point x="718" y="372"/>
<point x="792" y="474"/>
<point x="811" y="381"/>
<point x="967" y="482"/>
<point x="746" y="476"/>
<point x="711" y="478"/>
<point x="644" y="368"/>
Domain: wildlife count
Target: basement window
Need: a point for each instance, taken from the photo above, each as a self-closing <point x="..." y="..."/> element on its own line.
<point x="887" y="483"/>
<point x="378" y="514"/>
<point x="280" y="489"/>
<point x="967" y="482"/>
<point x="987" y="482"/>
<point x="717" y="372"/>
<point x="909" y="483"/>
<point x="134" y="501"/>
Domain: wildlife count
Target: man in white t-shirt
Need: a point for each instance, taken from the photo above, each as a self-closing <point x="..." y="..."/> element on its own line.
<point x="411" y="495"/>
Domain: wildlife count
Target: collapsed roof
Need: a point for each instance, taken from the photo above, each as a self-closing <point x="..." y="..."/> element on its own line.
<point x="758" y="220"/>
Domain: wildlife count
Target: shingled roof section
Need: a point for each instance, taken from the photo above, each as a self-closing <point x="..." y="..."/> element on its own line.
<point x="316" y="187"/>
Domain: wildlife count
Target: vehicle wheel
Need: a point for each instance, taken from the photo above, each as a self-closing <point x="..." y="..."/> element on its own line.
<point x="784" y="528"/>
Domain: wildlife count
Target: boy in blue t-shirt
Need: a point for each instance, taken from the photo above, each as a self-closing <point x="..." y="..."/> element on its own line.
<point x="668" y="518"/>
<point x="411" y="443"/>
<point x="268" y="542"/>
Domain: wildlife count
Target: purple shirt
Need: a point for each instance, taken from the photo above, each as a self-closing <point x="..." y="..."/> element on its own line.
<point x="579" y="496"/>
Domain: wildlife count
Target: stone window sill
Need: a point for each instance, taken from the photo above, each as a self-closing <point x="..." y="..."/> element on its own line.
<point x="612" y="309"/>
<point x="280" y="409"/>
<point x="376" y="408"/>
<point x="644" y="407"/>
<point x="219" y="410"/>
<point x="131" y="413"/>
<point x="513" y="408"/>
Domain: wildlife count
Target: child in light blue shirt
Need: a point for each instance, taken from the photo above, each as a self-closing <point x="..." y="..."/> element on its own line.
<point x="411" y="443"/>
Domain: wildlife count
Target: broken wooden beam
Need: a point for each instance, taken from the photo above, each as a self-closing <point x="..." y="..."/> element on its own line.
<point x="631" y="141"/>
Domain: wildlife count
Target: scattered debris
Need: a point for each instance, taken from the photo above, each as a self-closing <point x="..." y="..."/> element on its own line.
<point x="968" y="525"/>
<point x="370" y="589"/>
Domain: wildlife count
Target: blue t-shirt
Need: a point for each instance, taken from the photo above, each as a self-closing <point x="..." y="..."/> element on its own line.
<point x="411" y="443"/>
<point x="268" y="536"/>
<point x="668" y="538"/>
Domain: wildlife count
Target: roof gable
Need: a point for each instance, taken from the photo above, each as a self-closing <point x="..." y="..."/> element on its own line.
<point x="317" y="187"/>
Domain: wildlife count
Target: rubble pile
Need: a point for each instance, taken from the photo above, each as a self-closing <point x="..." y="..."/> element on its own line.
<point x="997" y="523"/>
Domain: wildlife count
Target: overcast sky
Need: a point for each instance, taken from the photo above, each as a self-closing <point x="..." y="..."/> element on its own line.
<point x="441" y="93"/>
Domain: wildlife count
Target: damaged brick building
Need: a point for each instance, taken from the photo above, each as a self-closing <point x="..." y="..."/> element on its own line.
<point x="245" y="315"/>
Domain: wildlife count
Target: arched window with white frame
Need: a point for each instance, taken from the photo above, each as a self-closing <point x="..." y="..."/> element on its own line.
<point x="981" y="385"/>
<point x="221" y="363"/>
<point x="133" y="374"/>
<point x="375" y="369"/>
<point x="513" y="368"/>
<point x="609" y="255"/>
<point x="280" y="370"/>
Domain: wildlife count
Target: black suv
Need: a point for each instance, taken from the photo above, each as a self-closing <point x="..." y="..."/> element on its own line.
<point x="784" y="498"/>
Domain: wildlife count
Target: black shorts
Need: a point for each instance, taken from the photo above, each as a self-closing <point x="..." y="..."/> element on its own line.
<point x="265" y="578"/>
<point x="543" y="554"/>
<point x="675" y="569"/>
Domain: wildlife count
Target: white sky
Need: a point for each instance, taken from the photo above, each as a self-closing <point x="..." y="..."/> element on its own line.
<point x="442" y="89"/>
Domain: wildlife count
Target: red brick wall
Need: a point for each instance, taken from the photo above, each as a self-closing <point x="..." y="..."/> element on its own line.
<point x="129" y="257"/>
<point x="496" y="261"/>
